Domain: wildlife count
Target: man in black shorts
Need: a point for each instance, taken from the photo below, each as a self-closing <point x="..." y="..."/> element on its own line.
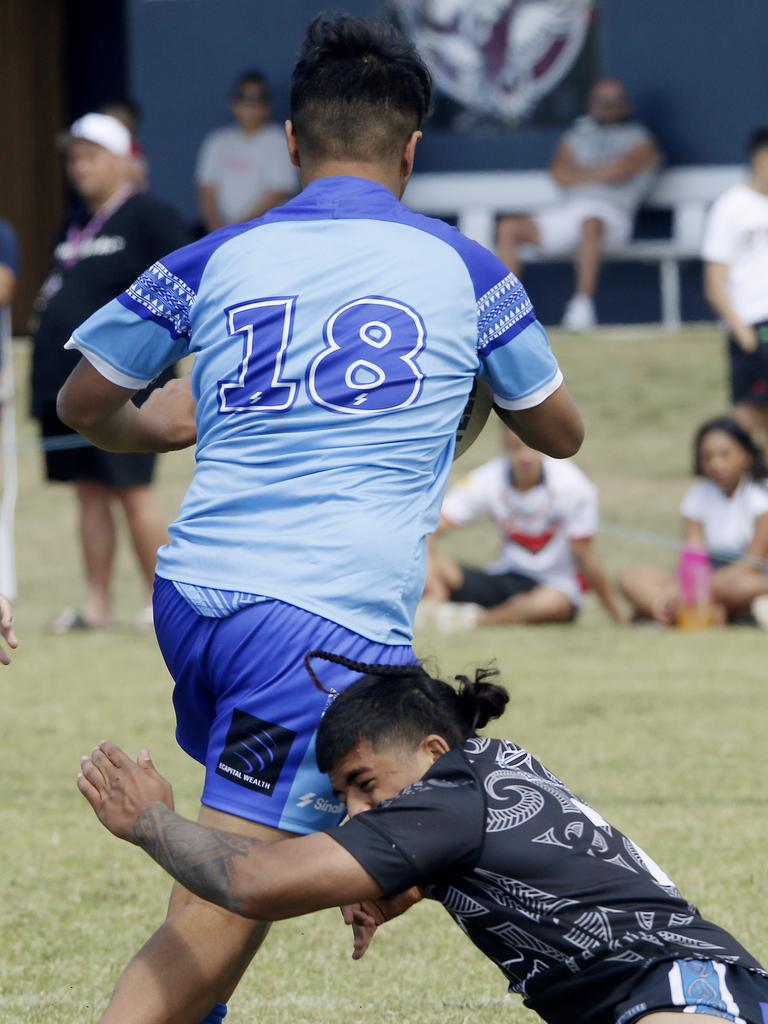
<point x="546" y="514"/>
<point x="582" y="923"/>
<point x="113" y="234"/>
<point x="735" y="251"/>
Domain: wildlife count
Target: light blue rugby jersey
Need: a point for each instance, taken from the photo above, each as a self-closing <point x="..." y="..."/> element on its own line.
<point x="336" y="341"/>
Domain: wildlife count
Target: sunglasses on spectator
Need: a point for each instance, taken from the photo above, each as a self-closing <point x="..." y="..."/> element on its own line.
<point x="246" y="97"/>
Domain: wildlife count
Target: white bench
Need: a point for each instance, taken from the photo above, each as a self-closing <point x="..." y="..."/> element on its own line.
<point x="476" y="199"/>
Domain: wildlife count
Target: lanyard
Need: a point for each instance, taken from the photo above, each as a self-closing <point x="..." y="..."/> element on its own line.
<point x="77" y="237"/>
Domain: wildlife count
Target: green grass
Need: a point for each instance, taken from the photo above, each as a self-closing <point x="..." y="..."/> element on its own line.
<point x="663" y="732"/>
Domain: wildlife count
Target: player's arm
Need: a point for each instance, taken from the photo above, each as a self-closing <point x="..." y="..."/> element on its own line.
<point x="126" y="344"/>
<point x="718" y="295"/>
<point x="266" y="881"/>
<point x="517" y="363"/>
<point x="585" y="556"/>
<point x="103" y="413"/>
<point x="554" y="427"/>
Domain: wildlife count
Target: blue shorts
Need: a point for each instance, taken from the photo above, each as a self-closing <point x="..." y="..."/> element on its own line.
<point x="247" y="709"/>
<point x="698" y="986"/>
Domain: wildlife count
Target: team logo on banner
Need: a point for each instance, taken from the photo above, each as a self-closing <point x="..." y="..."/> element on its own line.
<point x="497" y="57"/>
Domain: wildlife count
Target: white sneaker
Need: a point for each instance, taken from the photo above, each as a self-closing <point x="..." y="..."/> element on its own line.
<point x="759" y="609"/>
<point x="579" y="314"/>
<point x="446" y="616"/>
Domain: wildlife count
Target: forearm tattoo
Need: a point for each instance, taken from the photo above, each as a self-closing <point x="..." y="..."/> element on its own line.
<point x="202" y="859"/>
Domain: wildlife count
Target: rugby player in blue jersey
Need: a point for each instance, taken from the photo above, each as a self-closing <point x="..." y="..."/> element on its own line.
<point x="336" y="341"/>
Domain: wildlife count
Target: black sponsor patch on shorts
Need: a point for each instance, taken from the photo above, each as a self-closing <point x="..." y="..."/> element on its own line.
<point x="254" y="752"/>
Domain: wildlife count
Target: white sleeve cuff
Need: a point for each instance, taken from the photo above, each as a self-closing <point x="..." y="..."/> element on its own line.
<point x="534" y="398"/>
<point x="106" y="370"/>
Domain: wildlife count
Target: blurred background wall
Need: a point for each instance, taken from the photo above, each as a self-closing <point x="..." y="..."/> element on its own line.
<point x="696" y="68"/>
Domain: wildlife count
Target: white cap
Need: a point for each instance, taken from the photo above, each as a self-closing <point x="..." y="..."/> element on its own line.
<point x="104" y="130"/>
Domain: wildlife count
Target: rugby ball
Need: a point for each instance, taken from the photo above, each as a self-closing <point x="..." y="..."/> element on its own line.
<point x="475" y="415"/>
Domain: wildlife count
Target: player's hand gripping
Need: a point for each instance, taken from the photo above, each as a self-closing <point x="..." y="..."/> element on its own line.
<point x="169" y="414"/>
<point x="120" y="789"/>
<point x="366" y="917"/>
<point x="6" y="630"/>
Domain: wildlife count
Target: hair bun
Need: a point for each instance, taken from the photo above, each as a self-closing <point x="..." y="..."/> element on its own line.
<point x="481" y="701"/>
<point x="347" y="38"/>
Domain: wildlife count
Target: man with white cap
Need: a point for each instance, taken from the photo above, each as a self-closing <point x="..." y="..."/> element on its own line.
<point x="110" y="236"/>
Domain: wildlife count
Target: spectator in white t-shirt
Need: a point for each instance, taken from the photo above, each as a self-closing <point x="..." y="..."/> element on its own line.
<point x="726" y="514"/>
<point x="735" y="251"/>
<point x="603" y="166"/>
<point x="244" y="170"/>
<point x="546" y="514"/>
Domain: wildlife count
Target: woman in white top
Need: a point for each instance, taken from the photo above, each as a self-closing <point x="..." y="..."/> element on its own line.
<point x="726" y="514"/>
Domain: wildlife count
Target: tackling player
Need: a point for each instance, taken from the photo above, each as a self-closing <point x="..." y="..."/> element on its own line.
<point x="336" y="341"/>
<point x="582" y="923"/>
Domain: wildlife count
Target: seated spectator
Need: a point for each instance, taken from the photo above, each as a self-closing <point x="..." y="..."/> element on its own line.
<point x="604" y="165"/>
<point x="244" y="170"/>
<point x="735" y="252"/>
<point x="546" y="512"/>
<point x="726" y="514"/>
<point x="9" y="263"/>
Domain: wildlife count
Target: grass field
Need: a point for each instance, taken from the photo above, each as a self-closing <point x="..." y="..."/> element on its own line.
<point x="664" y="732"/>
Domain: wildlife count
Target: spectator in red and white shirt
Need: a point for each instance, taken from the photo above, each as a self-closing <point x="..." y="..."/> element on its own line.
<point x="547" y="515"/>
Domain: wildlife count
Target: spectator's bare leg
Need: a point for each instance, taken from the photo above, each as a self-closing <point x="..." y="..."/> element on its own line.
<point x="542" y="604"/>
<point x="748" y="416"/>
<point x="98" y="541"/>
<point x="147" y="526"/>
<point x="754" y="419"/>
<point x="196" y="958"/>
<point x="589" y="256"/>
<point x="579" y="313"/>
<point x="651" y="592"/>
<point x="511" y="233"/>
<point x="736" y="586"/>
<point x="444" y="575"/>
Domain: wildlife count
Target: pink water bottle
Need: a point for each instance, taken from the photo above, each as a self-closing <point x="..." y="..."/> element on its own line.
<point x="694" y="576"/>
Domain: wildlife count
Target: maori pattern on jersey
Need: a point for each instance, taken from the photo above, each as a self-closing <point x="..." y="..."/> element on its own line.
<point x="536" y="828"/>
<point x="164" y="297"/>
<point x="499" y="310"/>
<point x="528" y="802"/>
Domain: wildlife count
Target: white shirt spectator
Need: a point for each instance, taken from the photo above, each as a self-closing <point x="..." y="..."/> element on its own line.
<point x="243" y="168"/>
<point x="728" y="521"/>
<point x="536" y="525"/>
<point x="737" y="234"/>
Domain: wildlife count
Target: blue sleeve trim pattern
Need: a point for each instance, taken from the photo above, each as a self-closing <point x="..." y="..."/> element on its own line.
<point x="504" y="306"/>
<point x="163" y="297"/>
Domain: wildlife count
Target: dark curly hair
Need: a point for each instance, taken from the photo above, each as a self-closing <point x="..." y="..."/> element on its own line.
<point x="727" y="425"/>
<point x="358" y="90"/>
<point x="402" y="704"/>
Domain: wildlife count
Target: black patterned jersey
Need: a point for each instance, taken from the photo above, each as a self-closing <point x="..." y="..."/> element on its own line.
<point x="569" y="908"/>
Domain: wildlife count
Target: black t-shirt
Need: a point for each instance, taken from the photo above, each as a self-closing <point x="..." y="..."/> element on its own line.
<point x="569" y="908"/>
<point x="139" y="232"/>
